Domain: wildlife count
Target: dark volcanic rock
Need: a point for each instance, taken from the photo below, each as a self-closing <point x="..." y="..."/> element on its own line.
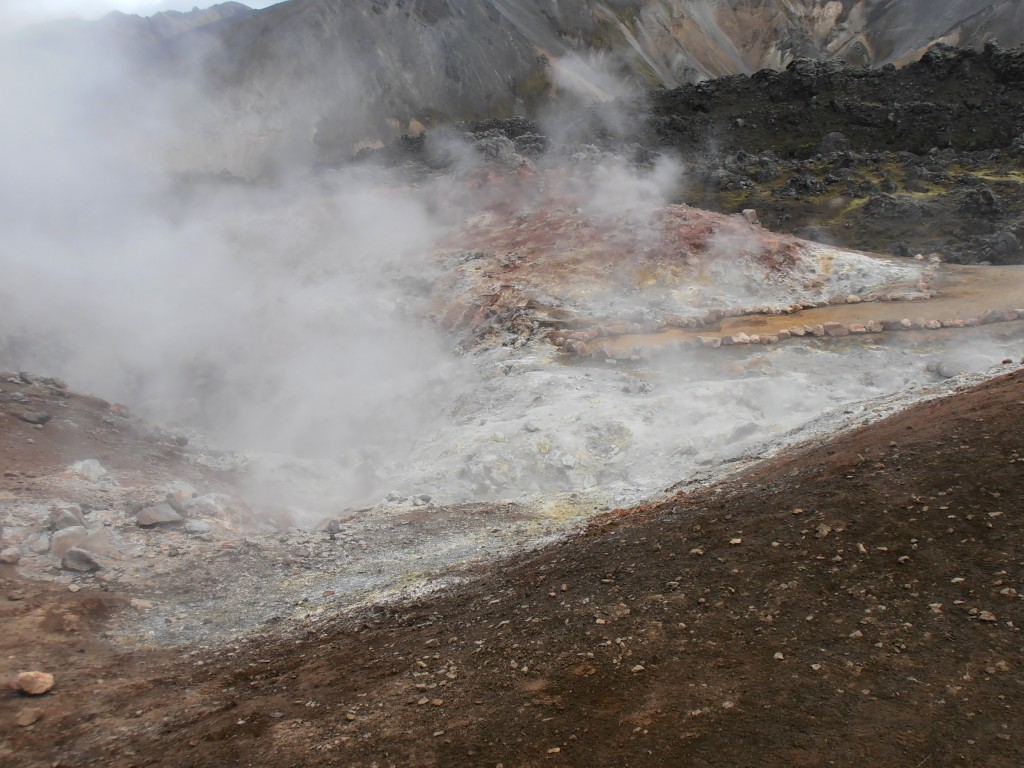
<point x="952" y="97"/>
<point x="914" y="160"/>
<point x="921" y="159"/>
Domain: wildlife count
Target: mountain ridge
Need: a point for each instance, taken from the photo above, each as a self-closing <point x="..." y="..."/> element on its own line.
<point x="305" y="75"/>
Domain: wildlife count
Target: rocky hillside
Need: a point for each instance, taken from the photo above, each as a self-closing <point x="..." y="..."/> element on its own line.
<point x="916" y="159"/>
<point x="912" y="160"/>
<point x="348" y="74"/>
<point x="305" y="77"/>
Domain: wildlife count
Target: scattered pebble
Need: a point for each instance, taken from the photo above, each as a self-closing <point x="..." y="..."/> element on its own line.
<point x="29" y="715"/>
<point x="35" y="683"/>
<point x="80" y="560"/>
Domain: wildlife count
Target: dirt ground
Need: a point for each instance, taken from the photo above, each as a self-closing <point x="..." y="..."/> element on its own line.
<point x="853" y="603"/>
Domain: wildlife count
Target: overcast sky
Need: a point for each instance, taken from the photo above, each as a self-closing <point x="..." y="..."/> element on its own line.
<point x="18" y="13"/>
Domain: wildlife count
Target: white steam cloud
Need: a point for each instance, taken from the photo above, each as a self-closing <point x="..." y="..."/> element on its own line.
<point x="280" y="316"/>
<point x="284" y="313"/>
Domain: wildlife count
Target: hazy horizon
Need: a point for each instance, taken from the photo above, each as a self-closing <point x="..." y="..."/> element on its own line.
<point x="16" y="14"/>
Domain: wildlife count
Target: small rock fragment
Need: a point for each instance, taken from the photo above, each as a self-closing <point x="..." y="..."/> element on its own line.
<point x="34" y="417"/>
<point x="29" y="715"/>
<point x="65" y="515"/>
<point x="10" y="556"/>
<point x="35" y="683"/>
<point x="198" y="527"/>
<point x="66" y="538"/>
<point x="159" y="514"/>
<point x="90" y="469"/>
<point x="80" y="560"/>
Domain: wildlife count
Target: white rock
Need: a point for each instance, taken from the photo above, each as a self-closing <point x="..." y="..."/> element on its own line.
<point x="90" y="469"/>
<point x="197" y="527"/>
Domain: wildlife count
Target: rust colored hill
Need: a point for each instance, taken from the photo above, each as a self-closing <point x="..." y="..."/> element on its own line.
<point x="855" y="602"/>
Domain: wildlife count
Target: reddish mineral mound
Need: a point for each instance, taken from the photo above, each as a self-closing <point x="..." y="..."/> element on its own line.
<point x="610" y="281"/>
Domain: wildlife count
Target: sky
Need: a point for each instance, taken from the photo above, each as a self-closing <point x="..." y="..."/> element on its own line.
<point x="20" y="13"/>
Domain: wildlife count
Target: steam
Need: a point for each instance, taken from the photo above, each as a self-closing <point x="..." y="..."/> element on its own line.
<point x="590" y="78"/>
<point x="281" y="316"/>
<point x="617" y="188"/>
<point x="175" y="253"/>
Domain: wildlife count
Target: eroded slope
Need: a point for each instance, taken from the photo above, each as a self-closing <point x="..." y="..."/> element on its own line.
<point x="858" y="600"/>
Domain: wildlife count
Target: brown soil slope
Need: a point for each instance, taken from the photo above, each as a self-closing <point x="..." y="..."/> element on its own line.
<point x="854" y="603"/>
